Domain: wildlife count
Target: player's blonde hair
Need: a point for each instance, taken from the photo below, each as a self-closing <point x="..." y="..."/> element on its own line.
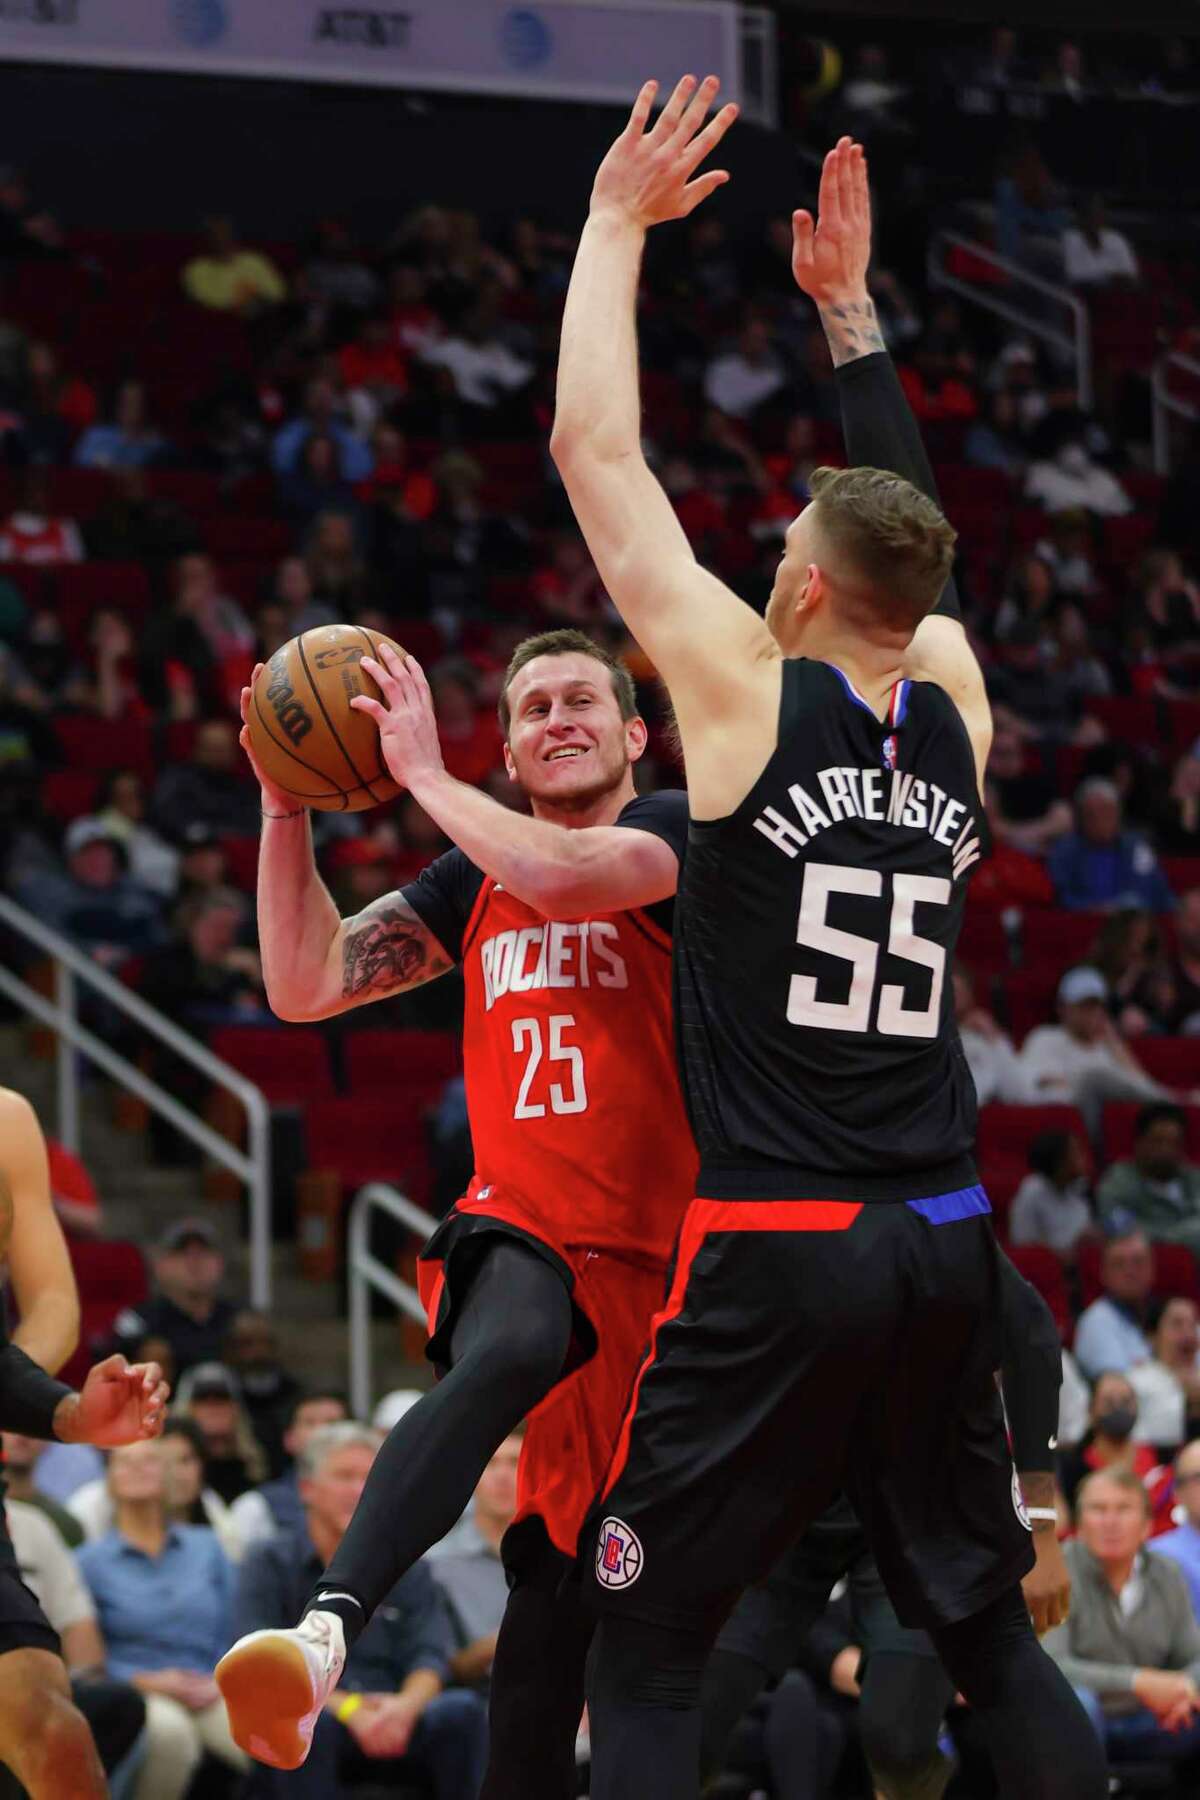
<point x="565" y="642"/>
<point x="895" y="539"/>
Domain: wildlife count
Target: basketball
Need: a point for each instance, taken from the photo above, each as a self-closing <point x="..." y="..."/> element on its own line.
<point x="306" y="736"/>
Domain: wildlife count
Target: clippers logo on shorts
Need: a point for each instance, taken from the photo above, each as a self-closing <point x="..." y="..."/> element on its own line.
<point x="1018" y="1500"/>
<point x="618" y="1555"/>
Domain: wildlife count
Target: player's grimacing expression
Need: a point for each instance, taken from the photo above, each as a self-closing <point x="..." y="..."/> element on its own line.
<point x="567" y="742"/>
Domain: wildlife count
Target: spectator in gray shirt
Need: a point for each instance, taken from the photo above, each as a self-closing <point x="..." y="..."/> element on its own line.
<point x="1131" y="1646"/>
<point x="468" y="1569"/>
<point x="389" y="1711"/>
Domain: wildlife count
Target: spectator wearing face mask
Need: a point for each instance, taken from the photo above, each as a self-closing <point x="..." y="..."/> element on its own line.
<point x="1110" y="1443"/>
<point x="1051" y="1205"/>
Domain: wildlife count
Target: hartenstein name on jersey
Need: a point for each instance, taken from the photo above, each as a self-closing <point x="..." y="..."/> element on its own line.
<point x="554" y="955"/>
<point x="883" y="796"/>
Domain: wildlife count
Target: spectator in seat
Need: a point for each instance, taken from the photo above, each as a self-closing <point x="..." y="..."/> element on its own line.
<point x="163" y="1595"/>
<point x="128" y="441"/>
<point x="114" y="1710"/>
<point x="1051" y="1205"/>
<point x="1111" y="1442"/>
<point x="21" y="1456"/>
<point x="1111" y="1333"/>
<point x="1182" y="1544"/>
<point x="1070" y="481"/>
<point x="469" y="1572"/>
<point x="218" y="617"/>
<point x="276" y="1505"/>
<point x="1131" y="1645"/>
<point x="269" y="1391"/>
<point x="191" y="1497"/>
<point x="396" y="1670"/>
<point x="937" y="389"/>
<point x="32" y="534"/>
<point x="1177" y="814"/>
<point x="1083" y="1060"/>
<point x="1032" y="697"/>
<point x="95" y="902"/>
<point x="321" y="414"/>
<point x="995" y="440"/>
<point x="334" y="274"/>
<point x="1168" y="605"/>
<point x="1129" y="954"/>
<point x="1158" y="1187"/>
<point x="206" y="977"/>
<point x="994" y="1064"/>
<point x="374" y="370"/>
<point x="209" y="789"/>
<point x="1186" y="965"/>
<point x="292" y="590"/>
<point x="1030" y="216"/>
<point x="188" y="1309"/>
<point x="112" y="688"/>
<point x="336" y="570"/>
<point x="121" y="807"/>
<point x="1029" y="814"/>
<point x="56" y="407"/>
<point x="26" y="734"/>
<point x="1103" y="865"/>
<point x="1168" y="1386"/>
<point x="234" y="1459"/>
<point x="316" y="483"/>
<point x="749" y="374"/>
<point x="469" y="736"/>
<point x="203" y="864"/>
<point x="1095" y="255"/>
<point x="483" y="372"/>
<point x="1030" y="596"/>
<point x="226" y="277"/>
<point x="51" y="677"/>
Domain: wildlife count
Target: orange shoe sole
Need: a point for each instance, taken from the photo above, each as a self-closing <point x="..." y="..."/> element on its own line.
<point x="267" y="1690"/>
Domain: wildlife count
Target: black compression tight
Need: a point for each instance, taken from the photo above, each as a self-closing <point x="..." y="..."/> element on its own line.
<point x="1041" y="1744"/>
<point x="537" y="1687"/>
<point x="507" y="1351"/>
<point x="904" y="1699"/>
<point x="644" y="1690"/>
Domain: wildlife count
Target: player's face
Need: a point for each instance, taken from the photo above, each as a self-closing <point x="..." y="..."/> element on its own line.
<point x="789" y="609"/>
<point x="568" y="745"/>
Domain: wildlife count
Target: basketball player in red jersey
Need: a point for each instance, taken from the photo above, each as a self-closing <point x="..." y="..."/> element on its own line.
<point x="543" y="1279"/>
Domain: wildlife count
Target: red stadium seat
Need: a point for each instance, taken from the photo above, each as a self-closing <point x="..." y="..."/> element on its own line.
<point x="234" y="536"/>
<point x="1001" y="1176"/>
<point x="91" y="743"/>
<point x="1185" y="724"/>
<point x="1006" y="1132"/>
<point x="1127" y="717"/>
<point x="289" y="1063"/>
<point x="111" y="1276"/>
<point x="1175" y="1272"/>
<point x="241" y="854"/>
<point x="121" y="584"/>
<point x="362" y="1140"/>
<point x="1055" y="940"/>
<point x="394" y="1062"/>
<point x="66" y="793"/>
<point x="983" y="942"/>
<point x="1029" y="1000"/>
<point x="1043" y="1270"/>
<point x="1175" y="1061"/>
<point x="1183" y="872"/>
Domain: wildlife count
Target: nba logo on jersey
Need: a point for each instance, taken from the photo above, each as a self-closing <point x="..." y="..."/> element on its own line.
<point x="618" y="1555"/>
<point x="889" y="751"/>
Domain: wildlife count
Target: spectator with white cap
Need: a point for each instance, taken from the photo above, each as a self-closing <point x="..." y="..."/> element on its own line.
<point x="1083" y="1061"/>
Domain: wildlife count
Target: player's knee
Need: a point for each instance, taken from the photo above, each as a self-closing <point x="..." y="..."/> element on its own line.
<point x="902" y="1759"/>
<point x="636" y="1664"/>
<point x="53" y="1750"/>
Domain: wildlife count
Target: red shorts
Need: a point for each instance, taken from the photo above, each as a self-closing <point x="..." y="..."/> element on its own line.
<point x="571" y="1434"/>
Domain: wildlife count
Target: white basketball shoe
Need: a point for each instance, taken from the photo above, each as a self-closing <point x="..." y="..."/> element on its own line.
<point x="275" y="1683"/>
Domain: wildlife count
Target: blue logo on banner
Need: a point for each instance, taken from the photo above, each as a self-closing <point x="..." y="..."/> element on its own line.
<point x="200" y="22"/>
<point x="525" y="38"/>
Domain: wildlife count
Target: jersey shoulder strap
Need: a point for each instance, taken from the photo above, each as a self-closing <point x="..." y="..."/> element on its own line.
<point x="804" y="682"/>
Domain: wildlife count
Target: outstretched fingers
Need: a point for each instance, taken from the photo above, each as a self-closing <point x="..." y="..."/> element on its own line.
<point x="668" y="119"/>
<point x="803" y="232"/>
<point x="641" y="109"/>
<point x="860" y="187"/>
<point x="710" y="137"/>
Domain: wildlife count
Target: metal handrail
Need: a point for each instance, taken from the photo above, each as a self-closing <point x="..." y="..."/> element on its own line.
<point x="72" y="965"/>
<point x="366" y="1272"/>
<point x="1076" y="345"/>
<point x="1164" y="402"/>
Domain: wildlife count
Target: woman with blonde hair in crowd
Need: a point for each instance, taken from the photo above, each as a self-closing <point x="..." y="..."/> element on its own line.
<point x="164" y="1604"/>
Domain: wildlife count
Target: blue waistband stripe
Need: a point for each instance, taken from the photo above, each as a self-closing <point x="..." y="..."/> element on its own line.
<point x="943" y="1209"/>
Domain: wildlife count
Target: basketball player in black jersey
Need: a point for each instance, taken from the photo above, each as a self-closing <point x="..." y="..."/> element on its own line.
<point x="833" y="1318"/>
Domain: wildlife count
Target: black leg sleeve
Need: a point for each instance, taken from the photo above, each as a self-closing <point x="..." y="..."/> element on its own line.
<point x="537" y="1686"/>
<point x="732" y="1682"/>
<point x="508" y="1348"/>
<point x="1041" y="1744"/>
<point x="644" y="1709"/>
<point x="903" y="1702"/>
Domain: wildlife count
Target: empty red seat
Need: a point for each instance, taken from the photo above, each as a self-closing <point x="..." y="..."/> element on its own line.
<point x="1006" y="1132"/>
<point x="1183" y="872"/>
<point x="92" y="743"/>
<point x="1128" y="717"/>
<point x="1055" y="939"/>
<point x="363" y="1140"/>
<point x="289" y="1063"/>
<point x="66" y="793"/>
<point x="1029" y="1000"/>
<point x="1043" y="1270"/>
<point x="197" y="491"/>
<point x="983" y="942"/>
<point x="80" y="493"/>
<point x="1174" y="1061"/>
<point x="111" y="1276"/>
<point x="1126" y="538"/>
<point x="122" y="584"/>
<point x="1185" y="724"/>
<point x="232" y="535"/>
<point x="393" y="1062"/>
<point x="241" y="854"/>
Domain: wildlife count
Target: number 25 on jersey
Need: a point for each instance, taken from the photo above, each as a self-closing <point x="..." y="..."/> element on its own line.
<point x="568" y="1095"/>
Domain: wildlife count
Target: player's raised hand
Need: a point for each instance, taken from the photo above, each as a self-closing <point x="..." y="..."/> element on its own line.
<point x="119" y="1403"/>
<point x="830" y="254"/>
<point x="648" y="175"/>
<point x="407" y="722"/>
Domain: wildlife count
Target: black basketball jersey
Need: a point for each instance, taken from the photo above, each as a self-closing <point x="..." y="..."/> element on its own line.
<point x="814" y="939"/>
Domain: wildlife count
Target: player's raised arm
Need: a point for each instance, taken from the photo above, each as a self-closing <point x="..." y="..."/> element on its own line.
<point x="715" y="654"/>
<point x="315" y="963"/>
<point x="830" y="257"/>
<point x="564" y="874"/>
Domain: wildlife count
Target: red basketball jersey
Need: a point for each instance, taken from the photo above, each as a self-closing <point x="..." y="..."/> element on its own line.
<point x="572" y="1086"/>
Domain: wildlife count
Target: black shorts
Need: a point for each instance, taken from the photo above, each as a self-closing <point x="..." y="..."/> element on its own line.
<point x="23" y="1624"/>
<point x="772" y="1619"/>
<point x="809" y="1347"/>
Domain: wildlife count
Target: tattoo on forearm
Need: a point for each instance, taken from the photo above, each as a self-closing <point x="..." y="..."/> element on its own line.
<point x="851" y="330"/>
<point x="387" y="949"/>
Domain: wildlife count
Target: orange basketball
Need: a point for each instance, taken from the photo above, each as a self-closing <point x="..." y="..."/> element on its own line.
<point x="306" y="736"/>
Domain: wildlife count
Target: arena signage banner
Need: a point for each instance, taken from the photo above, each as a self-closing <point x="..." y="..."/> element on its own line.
<point x="596" y="50"/>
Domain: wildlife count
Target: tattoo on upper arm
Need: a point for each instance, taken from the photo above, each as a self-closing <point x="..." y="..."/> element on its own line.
<point x="386" y="948"/>
<point x="852" y="330"/>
